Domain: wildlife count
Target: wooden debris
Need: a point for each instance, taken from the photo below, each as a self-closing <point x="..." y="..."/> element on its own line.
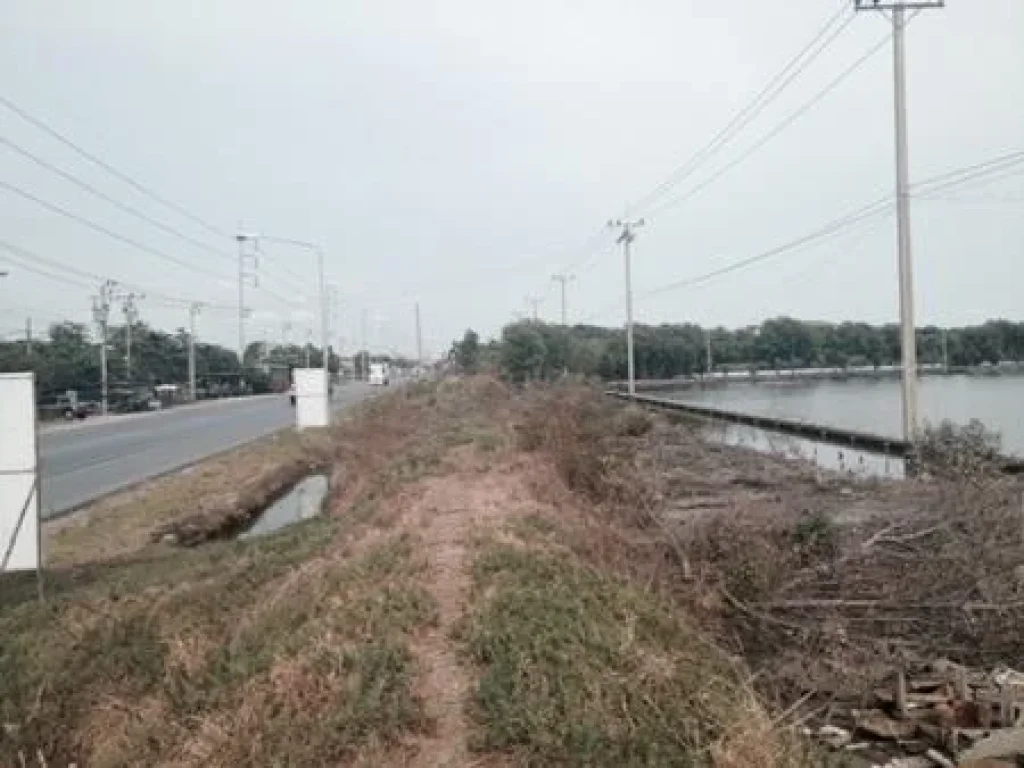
<point x="942" y="709"/>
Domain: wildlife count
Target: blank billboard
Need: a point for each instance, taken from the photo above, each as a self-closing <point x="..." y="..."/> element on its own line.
<point x="19" y="493"/>
<point x="311" y="408"/>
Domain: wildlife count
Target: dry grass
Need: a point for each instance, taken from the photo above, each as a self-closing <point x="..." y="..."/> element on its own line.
<point x="578" y="667"/>
<point x="518" y="573"/>
<point x="213" y="492"/>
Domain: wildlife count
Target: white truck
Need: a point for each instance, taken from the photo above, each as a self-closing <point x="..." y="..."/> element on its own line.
<point x="379" y="376"/>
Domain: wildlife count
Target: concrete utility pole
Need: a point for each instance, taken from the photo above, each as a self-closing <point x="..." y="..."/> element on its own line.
<point x="131" y="314"/>
<point x="534" y="302"/>
<point x="626" y="237"/>
<point x="321" y="290"/>
<point x="898" y="9"/>
<point x="193" y="311"/>
<point x="366" y="351"/>
<point x="244" y="275"/>
<point x="562" y="279"/>
<point x="419" y="337"/>
<point x="101" y="316"/>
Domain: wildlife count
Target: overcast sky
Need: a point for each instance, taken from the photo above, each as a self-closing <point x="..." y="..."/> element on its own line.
<point x="458" y="153"/>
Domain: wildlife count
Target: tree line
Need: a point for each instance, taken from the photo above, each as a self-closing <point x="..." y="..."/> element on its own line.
<point x="530" y="350"/>
<point x="68" y="358"/>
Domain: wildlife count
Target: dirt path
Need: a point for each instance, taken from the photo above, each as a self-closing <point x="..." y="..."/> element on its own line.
<point x="446" y="514"/>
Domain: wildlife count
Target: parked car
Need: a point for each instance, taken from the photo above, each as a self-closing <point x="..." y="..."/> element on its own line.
<point x="72" y="408"/>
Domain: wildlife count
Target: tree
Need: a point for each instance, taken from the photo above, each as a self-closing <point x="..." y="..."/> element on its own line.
<point x="523" y="352"/>
<point x="466" y="353"/>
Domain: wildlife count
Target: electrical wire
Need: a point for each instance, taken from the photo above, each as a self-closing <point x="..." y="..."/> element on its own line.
<point x="112" y="201"/>
<point x="139" y="187"/>
<point x="793" y="69"/>
<point x="128" y="240"/>
<point x="793" y="117"/>
<point x="30" y="261"/>
<point x="944" y="181"/>
<point x="52" y="207"/>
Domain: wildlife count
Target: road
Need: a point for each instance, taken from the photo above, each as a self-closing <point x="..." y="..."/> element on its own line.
<point x="85" y="461"/>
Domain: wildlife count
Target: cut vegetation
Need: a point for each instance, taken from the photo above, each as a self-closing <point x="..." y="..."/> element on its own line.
<point x="504" y="577"/>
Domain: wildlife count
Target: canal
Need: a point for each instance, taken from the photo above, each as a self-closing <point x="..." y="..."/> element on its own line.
<point x="873" y="405"/>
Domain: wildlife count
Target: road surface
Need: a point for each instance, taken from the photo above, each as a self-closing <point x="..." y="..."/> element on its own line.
<point x="84" y="461"/>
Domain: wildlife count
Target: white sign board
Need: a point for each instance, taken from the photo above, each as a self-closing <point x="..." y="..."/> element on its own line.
<point x="311" y="407"/>
<point x="19" y="492"/>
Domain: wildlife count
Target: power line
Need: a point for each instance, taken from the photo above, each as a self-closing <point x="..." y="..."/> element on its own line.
<point x="800" y="112"/>
<point x="127" y="240"/>
<point x="139" y="187"/>
<point x="990" y="170"/>
<point x="27" y="259"/>
<point x="944" y="181"/>
<point x="874" y="209"/>
<point x="796" y="66"/>
<point x="112" y="201"/>
<point x="108" y="232"/>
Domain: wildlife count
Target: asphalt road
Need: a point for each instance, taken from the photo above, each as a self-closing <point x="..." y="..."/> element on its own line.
<point x="85" y="461"/>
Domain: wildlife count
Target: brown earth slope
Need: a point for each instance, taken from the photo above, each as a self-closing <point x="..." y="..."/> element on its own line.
<point x="504" y="577"/>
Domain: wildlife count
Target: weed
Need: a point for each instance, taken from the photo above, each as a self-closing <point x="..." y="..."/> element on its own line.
<point x="580" y="669"/>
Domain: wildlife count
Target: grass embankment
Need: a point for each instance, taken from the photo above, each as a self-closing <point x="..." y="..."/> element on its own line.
<point x="493" y="585"/>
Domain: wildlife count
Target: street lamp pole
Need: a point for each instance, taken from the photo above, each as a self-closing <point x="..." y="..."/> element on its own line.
<point x="321" y="290"/>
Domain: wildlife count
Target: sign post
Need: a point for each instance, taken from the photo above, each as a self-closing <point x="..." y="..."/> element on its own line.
<point x="20" y="548"/>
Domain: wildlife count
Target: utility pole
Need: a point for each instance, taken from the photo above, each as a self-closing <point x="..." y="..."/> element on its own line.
<point x="309" y="344"/>
<point x="101" y="316"/>
<point x="193" y="311"/>
<point x="898" y="10"/>
<point x="419" y="337"/>
<point x="945" y="350"/>
<point x="626" y="237"/>
<point x="244" y="276"/>
<point x="28" y="337"/>
<point x="131" y="314"/>
<point x="534" y="302"/>
<point x="710" y="361"/>
<point x="562" y="279"/>
<point x="366" y="351"/>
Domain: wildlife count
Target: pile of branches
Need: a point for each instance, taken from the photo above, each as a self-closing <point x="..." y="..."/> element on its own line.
<point x="957" y="452"/>
<point x="830" y="606"/>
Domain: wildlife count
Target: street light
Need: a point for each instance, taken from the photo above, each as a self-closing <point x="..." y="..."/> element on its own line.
<point x="321" y="288"/>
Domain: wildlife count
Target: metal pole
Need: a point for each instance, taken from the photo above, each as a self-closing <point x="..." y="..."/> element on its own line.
<point x="908" y="340"/>
<point x="324" y="332"/>
<point x="128" y="349"/>
<point x="366" y="352"/>
<point x="192" y="312"/>
<point x="241" y="302"/>
<point x="627" y="237"/>
<point x="419" y="337"/>
<point x="562" y="280"/>
<point x="101" y="315"/>
<point x="534" y="303"/>
<point x="104" y="399"/>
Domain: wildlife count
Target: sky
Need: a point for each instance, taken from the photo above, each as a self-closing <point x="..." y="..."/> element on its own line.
<point x="458" y="153"/>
